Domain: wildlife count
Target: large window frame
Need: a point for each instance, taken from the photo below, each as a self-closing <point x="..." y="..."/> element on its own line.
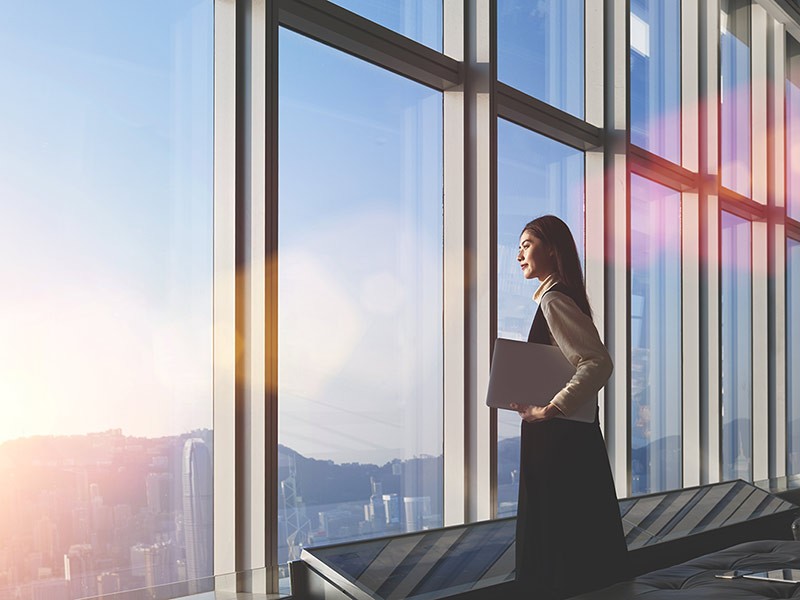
<point x="245" y="342"/>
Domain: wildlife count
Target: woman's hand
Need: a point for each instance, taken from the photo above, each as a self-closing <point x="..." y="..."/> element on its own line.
<point x="532" y="414"/>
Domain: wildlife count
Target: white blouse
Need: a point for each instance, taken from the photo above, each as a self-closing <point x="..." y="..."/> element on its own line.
<point x="575" y="334"/>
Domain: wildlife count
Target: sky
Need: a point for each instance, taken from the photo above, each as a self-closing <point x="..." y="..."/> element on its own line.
<point x="360" y="258"/>
<point x="106" y="203"/>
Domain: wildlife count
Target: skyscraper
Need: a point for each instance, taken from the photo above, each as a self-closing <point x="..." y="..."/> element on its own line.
<point x="416" y="509"/>
<point x="197" y="508"/>
<point x="49" y="589"/>
<point x="158" y="487"/>
<point x="376" y="510"/>
<point x="391" y="508"/>
<point x="79" y="571"/>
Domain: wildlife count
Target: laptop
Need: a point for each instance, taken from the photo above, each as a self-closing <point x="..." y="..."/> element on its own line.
<point x="530" y="374"/>
<point x="776" y="575"/>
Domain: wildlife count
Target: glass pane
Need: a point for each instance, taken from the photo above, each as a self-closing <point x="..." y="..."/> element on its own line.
<point x="535" y="176"/>
<point x="655" y="63"/>
<point x="737" y="360"/>
<point x="420" y="20"/>
<point x="793" y="354"/>
<point x="734" y="95"/>
<point x="540" y="50"/>
<point x="360" y="300"/>
<point x="656" y="397"/>
<point x="792" y="127"/>
<point x="106" y="253"/>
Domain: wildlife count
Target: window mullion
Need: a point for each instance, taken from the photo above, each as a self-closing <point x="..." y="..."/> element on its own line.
<point x="225" y="492"/>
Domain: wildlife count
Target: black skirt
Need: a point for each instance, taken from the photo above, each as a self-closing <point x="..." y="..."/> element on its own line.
<point x="569" y="531"/>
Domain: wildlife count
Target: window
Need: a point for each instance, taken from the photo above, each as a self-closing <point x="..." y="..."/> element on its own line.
<point x="420" y="20"/>
<point x="540" y="50"/>
<point x="792" y="355"/>
<point x="106" y="159"/>
<point x="734" y="95"/>
<point x="655" y="337"/>
<point x="360" y="300"/>
<point x="737" y="378"/>
<point x="655" y="77"/>
<point x="536" y="176"/>
<point x="792" y="128"/>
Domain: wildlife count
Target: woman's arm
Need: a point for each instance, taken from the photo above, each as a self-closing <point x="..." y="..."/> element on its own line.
<point x="575" y="334"/>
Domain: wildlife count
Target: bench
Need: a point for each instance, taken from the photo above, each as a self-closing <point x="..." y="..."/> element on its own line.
<point x="694" y="579"/>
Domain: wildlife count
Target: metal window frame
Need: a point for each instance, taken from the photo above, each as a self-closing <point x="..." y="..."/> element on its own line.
<point x="536" y="115"/>
<point x="594" y="171"/>
<point x="782" y="403"/>
<point x="346" y="31"/>
<point x="480" y="224"/>
<point x="709" y="240"/>
<point x="690" y="243"/>
<point x="224" y="311"/>
<point x="776" y="248"/>
<point x="245" y="240"/>
<point x="616" y="248"/>
<point x="456" y="505"/>
<point x="759" y="54"/>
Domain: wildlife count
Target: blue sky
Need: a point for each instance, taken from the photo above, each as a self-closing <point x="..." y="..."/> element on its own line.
<point x="360" y="269"/>
<point x="105" y="236"/>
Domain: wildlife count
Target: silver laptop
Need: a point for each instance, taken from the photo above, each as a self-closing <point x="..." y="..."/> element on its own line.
<point x="529" y="374"/>
<point x="777" y="575"/>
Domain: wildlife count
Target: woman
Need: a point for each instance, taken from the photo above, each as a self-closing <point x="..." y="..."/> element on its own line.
<point x="569" y="532"/>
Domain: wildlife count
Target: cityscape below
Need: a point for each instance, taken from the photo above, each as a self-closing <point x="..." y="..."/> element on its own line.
<point x="90" y="515"/>
<point x="97" y="514"/>
<point x="102" y="513"/>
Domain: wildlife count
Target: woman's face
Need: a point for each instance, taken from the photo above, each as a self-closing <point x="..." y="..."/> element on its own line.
<point x="534" y="257"/>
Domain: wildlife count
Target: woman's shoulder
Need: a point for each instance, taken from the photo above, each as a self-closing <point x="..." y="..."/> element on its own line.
<point x="559" y="290"/>
<point x="559" y="299"/>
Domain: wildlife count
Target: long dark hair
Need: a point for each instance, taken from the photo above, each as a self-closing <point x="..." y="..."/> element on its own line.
<point x="557" y="237"/>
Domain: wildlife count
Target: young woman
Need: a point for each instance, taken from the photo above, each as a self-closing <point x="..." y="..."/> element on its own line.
<point x="569" y="532"/>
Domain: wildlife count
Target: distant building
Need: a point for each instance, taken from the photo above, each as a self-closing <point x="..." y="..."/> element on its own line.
<point x="337" y="523"/>
<point x="82" y="485"/>
<point x="45" y="538"/>
<point x="391" y="507"/>
<point x="50" y="589"/>
<point x="122" y="515"/>
<point x="108" y="583"/>
<point x="33" y="562"/>
<point x="197" y="508"/>
<point x="376" y="511"/>
<point x="79" y="571"/>
<point x="81" y="525"/>
<point x="102" y="525"/>
<point x="416" y="509"/>
<point x="159" y="498"/>
<point x="158" y="565"/>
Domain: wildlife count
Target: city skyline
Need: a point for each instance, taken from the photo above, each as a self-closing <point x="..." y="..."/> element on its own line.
<point x="103" y="513"/>
<point x="106" y="512"/>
